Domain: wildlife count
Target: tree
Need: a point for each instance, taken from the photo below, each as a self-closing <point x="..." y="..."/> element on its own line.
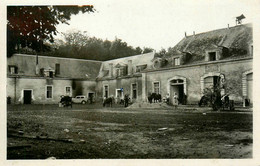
<point x="32" y="26"/>
<point x="147" y="50"/>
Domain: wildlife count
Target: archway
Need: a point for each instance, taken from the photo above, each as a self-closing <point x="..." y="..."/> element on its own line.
<point x="247" y="87"/>
<point x="210" y="80"/>
<point x="178" y="85"/>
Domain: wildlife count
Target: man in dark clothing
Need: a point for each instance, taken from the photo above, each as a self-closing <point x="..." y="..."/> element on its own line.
<point x="126" y="100"/>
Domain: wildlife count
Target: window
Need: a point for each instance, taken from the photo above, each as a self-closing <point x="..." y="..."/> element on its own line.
<point x="117" y="72"/>
<point x="57" y="68"/>
<point x="211" y="82"/>
<point x="120" y="71"/>
<point x="176" y="61"/>
<point x="177" y="81"/>
<point x="141" y="68"/>
<point x="49" y="73"/>
<point x="68" y="91"/>
<point x="134" y="91"/>
<point x="13" y="69"/>
<point x="156" y="86"/>
<point x="106" y="91"/>
<point x="49" y="92"/>
<point x="212" y="56"/>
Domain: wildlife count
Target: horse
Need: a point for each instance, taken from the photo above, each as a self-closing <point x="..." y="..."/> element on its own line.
<point x="108" y="101"/>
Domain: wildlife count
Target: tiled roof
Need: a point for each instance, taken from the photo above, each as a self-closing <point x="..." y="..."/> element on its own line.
<point x="237" y="37"/>
<point x="69" y="67"/>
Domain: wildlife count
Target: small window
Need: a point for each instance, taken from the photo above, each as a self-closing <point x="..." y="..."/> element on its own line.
<point x="141" y="68"/>
<point x="134" y="91"/>
<point x="180" y="81"/>
<point x="106" y="91"/>
<point x="13" y="69"/>
<point x="176" y="61"/>
<point x="117" y="72"/>
<point x="49" y="92"/>
<point x="156" y="86"/>
<point x="68" y="91"/>
<point x="212" y="56"/>
<point x="57" y="68"/>
<point x="51" y="74"/>
<point x="120" y="71"/>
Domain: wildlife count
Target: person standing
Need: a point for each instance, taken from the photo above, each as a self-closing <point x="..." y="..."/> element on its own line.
<point x="126" y="100"/>
<point x="175" y="99"/>
<point x="104" y="101"/>
<point x="168" y="98"/>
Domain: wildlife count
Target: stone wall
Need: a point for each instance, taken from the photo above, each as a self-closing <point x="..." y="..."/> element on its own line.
<point x="194" y="73"/>
<point x="38" y="88"/>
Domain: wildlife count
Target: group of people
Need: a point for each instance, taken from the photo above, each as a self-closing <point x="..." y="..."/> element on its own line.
<point x="109" y="100"/>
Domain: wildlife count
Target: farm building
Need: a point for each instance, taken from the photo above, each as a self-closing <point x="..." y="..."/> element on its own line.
<point x="195" y="63"/>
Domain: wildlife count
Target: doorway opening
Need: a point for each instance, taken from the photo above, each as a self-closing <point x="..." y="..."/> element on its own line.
<point x="119" y="95"/>
<point x="177" y="88"/>
<point x="27" y="96"/>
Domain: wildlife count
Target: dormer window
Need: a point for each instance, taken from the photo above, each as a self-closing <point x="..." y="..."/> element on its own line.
<point x="120" y="72"/>
<point x="13" y="69"/>
<point x="141" y="68"/>
<point x="212" y="56"/>
<point x="49" y="73"/>
<point x="177" y="61"/>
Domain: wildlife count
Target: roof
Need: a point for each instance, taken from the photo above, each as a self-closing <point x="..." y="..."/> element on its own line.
<point x="136" y="60"/>
<point x="234" y="37"/>
<point x="69" y="67"/>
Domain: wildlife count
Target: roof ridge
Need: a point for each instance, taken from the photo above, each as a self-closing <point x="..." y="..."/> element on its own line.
<point x="237" y="26"/>
<point x="59" y="57"/>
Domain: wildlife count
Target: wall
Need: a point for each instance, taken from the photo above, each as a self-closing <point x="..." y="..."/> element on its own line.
<point x="232" y="69"/>
<point x="38" y="86"/>
<point x="84" y="87"/>
<point x="124" y="83"/>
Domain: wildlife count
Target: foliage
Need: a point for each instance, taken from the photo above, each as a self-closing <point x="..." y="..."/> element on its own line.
<point x="32" y="26"/>
<point x="77" y="44"/>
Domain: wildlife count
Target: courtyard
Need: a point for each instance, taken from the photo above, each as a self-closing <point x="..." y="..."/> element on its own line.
<point x="94" y="132"/>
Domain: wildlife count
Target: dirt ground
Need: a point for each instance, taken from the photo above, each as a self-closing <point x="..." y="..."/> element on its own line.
<point x="93" y="132"/>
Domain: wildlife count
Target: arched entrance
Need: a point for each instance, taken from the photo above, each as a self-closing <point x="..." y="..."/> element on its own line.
<point x="247" y="85"/>
<point x="212" y="80"/>
<point x="177" y="85"/>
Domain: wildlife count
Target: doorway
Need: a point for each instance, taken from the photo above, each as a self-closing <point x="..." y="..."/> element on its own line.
<point x="119" y="95"/>
<point x="179" y="90"/>
<point x="91" y="97"/>
<point x="27" y="96"/>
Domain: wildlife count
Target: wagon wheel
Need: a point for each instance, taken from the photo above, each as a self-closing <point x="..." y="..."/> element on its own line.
<point x="83" y="102"/>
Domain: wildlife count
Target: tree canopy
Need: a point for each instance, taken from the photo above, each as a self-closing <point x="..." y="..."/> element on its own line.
<point x="77" y="44"/>
<point x="32" y="26"/>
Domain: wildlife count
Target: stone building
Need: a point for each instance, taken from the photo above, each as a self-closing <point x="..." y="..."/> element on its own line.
<point x="195" y="63"/>
<point x="42" y="80"/>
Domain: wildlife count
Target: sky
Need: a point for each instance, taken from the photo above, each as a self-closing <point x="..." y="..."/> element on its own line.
<point x="158" y="24"/>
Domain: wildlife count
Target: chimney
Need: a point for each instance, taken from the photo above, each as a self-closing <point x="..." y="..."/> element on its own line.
<point x="228" y="26"/>
<point x="130" y="67"/>
<point x="193" y="33"/>
<point x="185" y="34"/>
<point x="110" y="70"/>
